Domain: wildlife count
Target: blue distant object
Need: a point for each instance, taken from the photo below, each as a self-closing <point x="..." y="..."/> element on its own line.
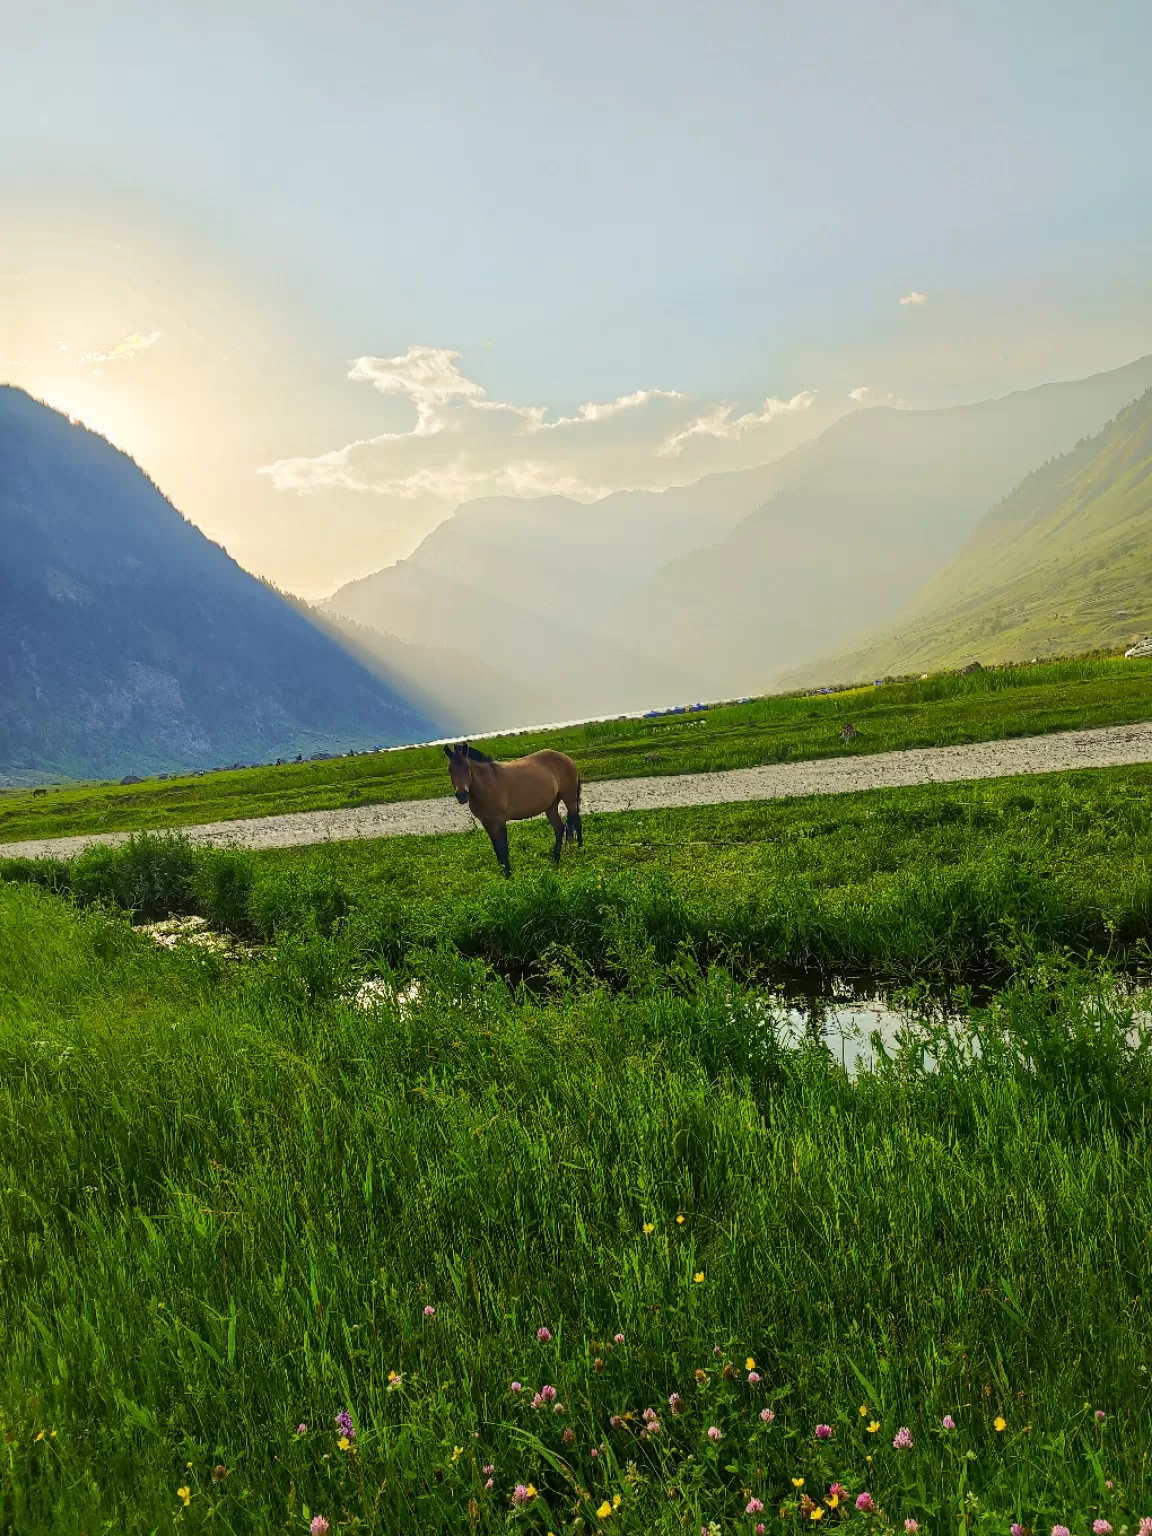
<point x="879" y="683"/>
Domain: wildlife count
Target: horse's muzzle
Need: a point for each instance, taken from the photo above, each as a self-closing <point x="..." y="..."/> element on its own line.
<point x="462" y="796"/>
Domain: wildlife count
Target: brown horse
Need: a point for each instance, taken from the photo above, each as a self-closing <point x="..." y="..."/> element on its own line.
<point x="497" y="793"/>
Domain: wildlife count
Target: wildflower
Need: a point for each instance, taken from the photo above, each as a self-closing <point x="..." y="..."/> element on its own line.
<point x="680" y="1221"/>
<point x="615" y="1421"/>
<point x="616" y="1501"/>
<point x="675" y="1403"/>
<point x="394" y="1380"/>
<point x="816" y="1512"/>
<point x="344" y="1424"/>
<point x="559" y="1408"/>
<point x="823" y="1431"/>
<point x="760" y="1529"/>
<point x="833" y="1501"/>
<point x="1100" y="1417"/>
<point x="749" y="1364"/>
<point x="797" y="1482"/>
<point x="1018" y="1530"/>
<point x="569" y="1436"/>
<point x="653" y="1426"/>
<point x="766" y="1415"/>
<point x="863" y="1410"/>
<point x="902" y="1439"/>
<point x="948" y="1421"/>
<point x="548" y="1394"/>
<point x="604" y="1511"/>
<point x="837" y="1492"/>
<point x="649" y="1413"/>
<point x="429" y="1311"/>
<point x="344" y="1444"/>
<point x="594" y="1453"/>
<point x="619" y="1338"/>
<point x="873" y="1426"/>
<point x="754" y="1507"/>
<point x="301" y="1429"/>
<point x="522" y="1493"/>
<point x="999" y="1424"/>
<point x="865" y="1503"/>
<point x="714" y="1434"/>
<point x="1146" y="1526"/>
<point x="515" y="1386"/>
<point x="648" y="1228"/>
<point x="489" y="1485"/>
<point x="184" y="1495"/>
<point x="319" y="1526"/>
<point x="457" y="1452"/>
<point x="219" y="1472"/>
<point x="717" y="1351"/>
<point x="701" y="1377"/>
<point x="1102" y="1527"/>
<point x="753" y="1378"/>
<point x="543" y="1335"/>
<point x="699" y="1279"/>
<point x="488" y="1469"/>
<point x="1061" y="1530"/>
<point x="911" y="1527"/>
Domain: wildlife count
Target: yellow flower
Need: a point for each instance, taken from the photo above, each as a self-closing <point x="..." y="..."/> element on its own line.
<point x="999" y="1423"/>
<point x="40" y="1436"/>
<point x="616" y="1501"/>
<point x="457" y="1452"/>
<point x="863" y="1410"/>
<point x="817" y="1513"/>
<point x="797" y="1482"/>
<point x="833" y="1500"/>
<point x="393" y="1375"/>
<point x="531" y="1490"/>
<point x="649" y="1227"/>
<point x="184" y="1495"/>
<point x="749" y="1364"/>
<point x="604" y="1511"/>
<point x="873" y="1426"/>
<point x="680" y="1221"/>
<point x="699" y="1277"/>
<point x="343" y="1442"/>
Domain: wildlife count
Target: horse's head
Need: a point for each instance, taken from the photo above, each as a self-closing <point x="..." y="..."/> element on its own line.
<point x="460" y="771"/>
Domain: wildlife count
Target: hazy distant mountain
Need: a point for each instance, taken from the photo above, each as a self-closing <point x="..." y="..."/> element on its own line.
<point x="454" y="687"/>
<point x="130" y="643"/>
<point x="573" y="672"/>
<point x="572" y="561"/>
<point x="1063" y="564"/>
<point x="857" y="521"/>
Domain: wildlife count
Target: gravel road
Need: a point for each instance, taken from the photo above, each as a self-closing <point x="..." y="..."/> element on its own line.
<point x="1107" y="748"/>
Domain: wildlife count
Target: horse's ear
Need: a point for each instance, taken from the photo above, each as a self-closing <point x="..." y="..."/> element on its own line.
<point x="448" y="751"/>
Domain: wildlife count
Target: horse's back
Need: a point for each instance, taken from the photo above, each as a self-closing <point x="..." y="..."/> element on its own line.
<point x="541" y="776"/>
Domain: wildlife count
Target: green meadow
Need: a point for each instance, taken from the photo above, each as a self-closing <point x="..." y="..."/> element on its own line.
<point x="560" y="1216"/>
<point x="942" y="710"/>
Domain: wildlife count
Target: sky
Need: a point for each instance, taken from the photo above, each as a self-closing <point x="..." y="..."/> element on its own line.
<point x="327" y="271"/>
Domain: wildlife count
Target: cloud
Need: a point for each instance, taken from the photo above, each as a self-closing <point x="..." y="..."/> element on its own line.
<point x="719" y="422"/>
<point x="914" y="298"/>
<point x="124" y="350"/>
<point x="863" y="394"/>
<point x="460" y="444"/>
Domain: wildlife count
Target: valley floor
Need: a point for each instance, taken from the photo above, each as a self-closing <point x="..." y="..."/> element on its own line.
<point x="1111" y="747"/>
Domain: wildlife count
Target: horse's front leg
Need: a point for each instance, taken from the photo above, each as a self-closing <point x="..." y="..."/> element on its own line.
<point x="498" y="832"/>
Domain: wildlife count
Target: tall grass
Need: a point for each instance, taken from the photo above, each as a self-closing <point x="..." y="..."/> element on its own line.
<point x="232" y="1204"/>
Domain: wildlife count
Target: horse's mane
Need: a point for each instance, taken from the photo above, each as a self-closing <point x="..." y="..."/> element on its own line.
<point x="477" y="756"/>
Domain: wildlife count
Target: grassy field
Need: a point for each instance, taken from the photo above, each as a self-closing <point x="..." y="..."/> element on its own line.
<point x="234" y="1205"/>
<point x="940" y="711"/>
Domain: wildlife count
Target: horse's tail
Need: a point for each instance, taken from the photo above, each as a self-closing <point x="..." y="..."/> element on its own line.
<point x="573" y="826"/>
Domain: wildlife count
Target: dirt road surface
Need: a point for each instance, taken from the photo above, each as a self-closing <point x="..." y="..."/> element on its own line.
<point x="1107" y="748"/>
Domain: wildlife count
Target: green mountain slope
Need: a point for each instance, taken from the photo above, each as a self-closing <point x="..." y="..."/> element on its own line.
<point x="1063" y="564"/>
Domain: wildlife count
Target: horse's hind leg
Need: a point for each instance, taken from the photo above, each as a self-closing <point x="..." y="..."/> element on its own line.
<point x="574" y="830"/>
<point x="554" y="816"/>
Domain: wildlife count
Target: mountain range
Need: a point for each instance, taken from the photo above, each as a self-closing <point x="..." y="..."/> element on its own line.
<point x="722" y="586"/>
<point x="130" y="643"/>
<point x="1063" y="564"/>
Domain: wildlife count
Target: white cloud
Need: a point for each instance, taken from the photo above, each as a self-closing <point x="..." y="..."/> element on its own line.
<point x="719" y="422"/>
<point x="914" y="298"/>
<point x="865" y="395"/>
<point x="461" y="444"/>
<point x="124" y="350"/>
